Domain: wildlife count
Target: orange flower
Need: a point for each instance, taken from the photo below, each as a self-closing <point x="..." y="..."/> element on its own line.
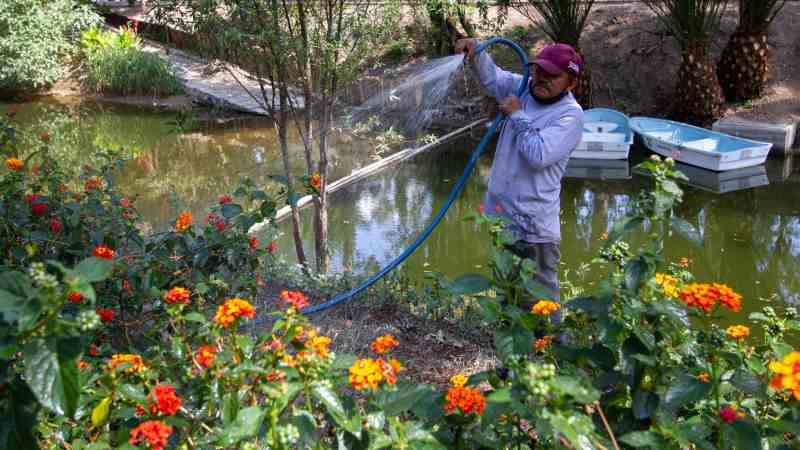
<point x="315" y="181"/>
<point x="276" y="376"/>
<point x="166" y="400"/>
<point x="101" y="251"/>
<point x="93" y="183"/>
<point x="545" y="307"/>
<point x="727" y="297"/>
<point x="698" y="295"/>
<point x="465" y="399"/>
<point x="738" y="332"/>
<point x="320" y="345"/>
<point x="787" y="374"/>
<point x="82" y="364"/>
<point x="668" y="284"/>
<point x="205" y="355"/>
<point x="14" y="164"/>
<point x="232" y="309"/>
<point x="383" y="344"/>
<point x="183" y="222"/>
<point x="542" y="343"/>
<point x="177" y="295"/>
<point x="365" y="374"/>
<point x="135" y="361"/>
<point x="705" y="377"/>
<point x="390" y="369"/>
<point x="75" y="297"/>
<point x="296" y="298"/>
<point x="154" y="432"/>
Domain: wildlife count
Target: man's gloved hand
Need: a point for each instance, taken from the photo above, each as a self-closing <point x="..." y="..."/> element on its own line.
<point x="466" y="46"/>
<point x="510" y="104"/>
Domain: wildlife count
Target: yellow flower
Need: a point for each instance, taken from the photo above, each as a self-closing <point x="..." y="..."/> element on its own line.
<point x="545" y="307"/>
<point x="14" y="163"/>
<point x="136" y="362"/>
<point x="183" y="222"/>
<point x="459" y="380"/>
<point x="383" y="344"/>
<point x="319" y="344"/>
<point x="738" y="331"/>
<point x="787" y="374"/>
<point x="668" y="284"/>
<point x="365" y="374"/>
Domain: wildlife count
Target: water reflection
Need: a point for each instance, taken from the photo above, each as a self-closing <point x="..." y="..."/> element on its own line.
<point x="750" y="235"/>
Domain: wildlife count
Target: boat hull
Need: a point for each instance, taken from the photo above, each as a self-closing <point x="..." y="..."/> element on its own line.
<point x="712" y="161"/>
<point x="606" y="135"/>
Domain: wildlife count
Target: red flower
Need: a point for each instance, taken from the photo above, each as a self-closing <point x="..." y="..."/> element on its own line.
<point x="154" y="432"/>
<point x="729" y="413"/>
<point x="220" y="225"/>
<point x="106" y="314"/>
<point x="75" y="297"/>
<point x="93" y="351"/>
<point x="55" y="225"/>
<point x="167" y="400"/>
<point x="125" y="203"/>
<point x="177" y="295"/>
<point x="253" y="243"/>
<point x="295" y="298"/>
<point x="101" y="251"/>
<point x="205" y="355"/>
<point x="223" y="199"/>
<point x="272" y="247"/>
<point x="38" y="204"/>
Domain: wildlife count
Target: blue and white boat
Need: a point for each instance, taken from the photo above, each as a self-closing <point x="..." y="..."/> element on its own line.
<point x="606" y="135"/>
<point x="698" y="146"/>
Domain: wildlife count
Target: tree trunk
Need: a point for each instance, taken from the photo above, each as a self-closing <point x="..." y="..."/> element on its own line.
<point x="445" y="31"/>
<point x="744" y="65"/>
<point x="281" y="125"/>
<point x="321" y="202"/>
<point x="698" y="96"/>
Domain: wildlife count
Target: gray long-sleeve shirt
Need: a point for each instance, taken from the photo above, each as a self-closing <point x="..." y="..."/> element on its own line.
<point x="531" y="156"/>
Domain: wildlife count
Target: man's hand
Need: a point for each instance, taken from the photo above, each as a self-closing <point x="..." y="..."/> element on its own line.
<point x="510" y="104"/>
<point x="466" y="46"/>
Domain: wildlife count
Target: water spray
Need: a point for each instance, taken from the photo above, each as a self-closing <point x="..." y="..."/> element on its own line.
<point x="451" y="198"/>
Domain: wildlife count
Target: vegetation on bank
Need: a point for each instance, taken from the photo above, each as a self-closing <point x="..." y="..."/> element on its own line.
<point x="114" y="339"/>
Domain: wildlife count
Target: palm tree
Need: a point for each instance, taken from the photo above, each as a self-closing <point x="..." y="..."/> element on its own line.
<point x="743" y="67"/>
<point x="698" y="96"/>
<point x="563" y="21"/>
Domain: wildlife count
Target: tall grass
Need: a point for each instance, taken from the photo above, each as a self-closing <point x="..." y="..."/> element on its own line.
<point x="117" y="64"/>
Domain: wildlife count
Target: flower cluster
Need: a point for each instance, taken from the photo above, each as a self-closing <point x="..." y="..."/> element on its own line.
<point x="177" y="295"/>
<point x="367" y="373"/>
<point x="183" y="222"/>
<point x="542" y="343"/>
<point x="467" y="400"/>
<point x="232" y="309"/>
<point x="164" y="400"/>
<point x="154" y="432"/>
<point x="106" y="314"/>
<point x="668" y="284"/>
<point x="787" y="374"/>
<point x="93" y="183"/>
<point x="729" y="413"/>
<point x="37" y="203"/>
<point x="101" y="251"/>
<point x="384" y="344"/>
<point x="297" y="299"/>
<point x="75" y="297"/>
<point x="315" y="181"/>
<point x="14" y="163"/>
<point x="545" y="307"/>
<point x="205" y="355"/>
<point x="705" y="296"/>
<point x="217" y="221"/>
<point x="135" y="362"/>
<point x="738" y="332"/>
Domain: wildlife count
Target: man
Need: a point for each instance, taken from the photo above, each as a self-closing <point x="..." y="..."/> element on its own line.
<point x="542" y="129"/>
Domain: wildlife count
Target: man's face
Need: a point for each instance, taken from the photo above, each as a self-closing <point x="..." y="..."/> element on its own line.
<point x="548" y="86"/>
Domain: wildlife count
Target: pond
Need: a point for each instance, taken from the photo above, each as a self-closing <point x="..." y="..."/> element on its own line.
<point x="749" y="221"/>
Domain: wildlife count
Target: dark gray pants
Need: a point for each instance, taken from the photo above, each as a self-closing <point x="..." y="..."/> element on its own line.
<point x="546" y="256"/>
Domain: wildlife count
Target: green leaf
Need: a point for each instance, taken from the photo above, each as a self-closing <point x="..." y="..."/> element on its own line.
<point x="132" y="393"/>
<point x="52" y="376"/>
<point x="335" y="408"/>
<point x="645" y="404"/>
<point x="94" y="269"/>
<point x="469" y="284"/>
<point x="745" y="435"/>
<point x="231" y="210"/>
<point x="15" y="282"/>
<point x="636" y="272"/>
<point x="247" y="423"/>
<point x="498" y="402"/>
<point x="405" y="397"/>
<point x="641" y="439"/>
<point x="230" y="408"/>
<point x="18" y="418"/>
<point x="748" y="383"/>
<point x="687" y="230"/>
<point x="101" y="411"/>
<point x="581" y="391"/>
<point x="343" y="361"/>
<point x="685" y="389"/>
<point x="623" y="227"/>
<point x="307" y="425"/>
<point x="11" y="306"/>
<point x="591" y="305"/>
<point x="195" y="317"/>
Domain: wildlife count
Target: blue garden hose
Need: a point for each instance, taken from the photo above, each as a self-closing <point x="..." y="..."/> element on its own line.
<point x="344" y="296"/>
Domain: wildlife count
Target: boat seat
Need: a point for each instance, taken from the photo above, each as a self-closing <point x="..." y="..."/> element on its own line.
<point x="600" y="126"/>
<point x="604" y="137"/>
<point x="706" y="145"/>
<point x="661" y="135"/>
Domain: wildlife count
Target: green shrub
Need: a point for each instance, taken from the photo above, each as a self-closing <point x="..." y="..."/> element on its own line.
<point x="35" y="38"/>
<point x="117" y="64"/>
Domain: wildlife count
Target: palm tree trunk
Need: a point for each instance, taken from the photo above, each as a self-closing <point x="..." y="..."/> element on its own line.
<point x="698" y="96"/>
<point x="744" y="65"/>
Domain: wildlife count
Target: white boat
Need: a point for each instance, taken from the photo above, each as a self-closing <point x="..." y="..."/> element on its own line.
<point x="721" y="182"/>
<point x="598" y="169"/>
<point x="606" y="135"/>
<point x="698" y="146"/>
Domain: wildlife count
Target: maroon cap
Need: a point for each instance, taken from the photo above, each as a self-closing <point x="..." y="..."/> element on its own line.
<point x="556" y="58"/>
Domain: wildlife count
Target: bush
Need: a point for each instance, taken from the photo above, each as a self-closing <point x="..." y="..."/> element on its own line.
<point x="117" y="64"/>
<point x="36" y="36"/>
